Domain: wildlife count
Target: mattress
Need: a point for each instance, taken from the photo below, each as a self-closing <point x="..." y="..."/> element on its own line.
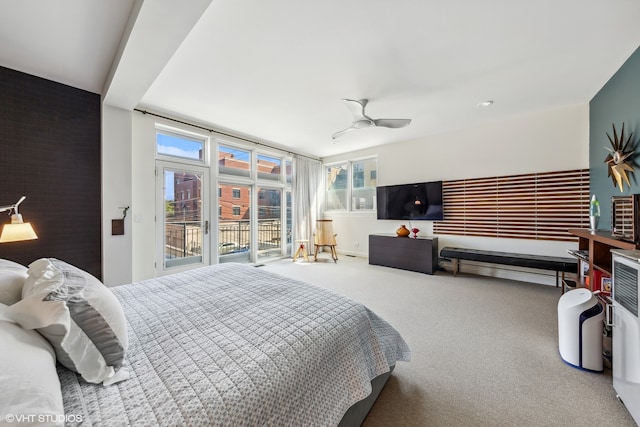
<point x="235" y="345"/>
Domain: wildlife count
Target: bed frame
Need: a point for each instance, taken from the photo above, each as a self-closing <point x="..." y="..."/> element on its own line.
<point x="356" y="415"/>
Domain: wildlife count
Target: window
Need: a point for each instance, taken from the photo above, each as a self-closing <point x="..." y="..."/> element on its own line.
<point x="351" y="185"/>
<point x="269" y="168"/>
<point x="254" y="189"/>
<point x="252" y="185"/>
<point x="179" y="145"/>
<point x="363" y="184"/>
<point x="234" y="161"/>
<point x="337" y="182"/>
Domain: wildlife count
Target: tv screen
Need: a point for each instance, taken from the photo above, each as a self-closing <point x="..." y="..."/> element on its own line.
<point x="421" y="201"/>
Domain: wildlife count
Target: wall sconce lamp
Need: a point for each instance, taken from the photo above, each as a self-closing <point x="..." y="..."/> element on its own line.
<point x="18" y="230"/>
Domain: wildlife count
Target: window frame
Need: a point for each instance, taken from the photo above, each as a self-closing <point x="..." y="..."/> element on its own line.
<point x="349" y="208"/>
<point x="326" y="168"/>
<point x="254" y="181"/>
<point x="181" y="133"/>
<point x="364" y="179"/>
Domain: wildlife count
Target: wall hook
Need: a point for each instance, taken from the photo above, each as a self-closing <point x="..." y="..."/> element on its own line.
<point x="124" y="211"/>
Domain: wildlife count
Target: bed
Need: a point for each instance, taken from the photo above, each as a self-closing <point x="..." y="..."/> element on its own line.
<point x="226" y="345"/>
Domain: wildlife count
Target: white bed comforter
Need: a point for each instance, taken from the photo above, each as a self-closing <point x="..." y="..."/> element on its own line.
<point x="234" y="345"/>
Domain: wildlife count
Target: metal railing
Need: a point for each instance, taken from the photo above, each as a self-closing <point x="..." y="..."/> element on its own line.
<point x="184" y="238"/>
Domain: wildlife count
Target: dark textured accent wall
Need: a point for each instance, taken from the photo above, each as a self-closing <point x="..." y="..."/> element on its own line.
<point x="616" y="103"/>
<point x="50" y="152"/>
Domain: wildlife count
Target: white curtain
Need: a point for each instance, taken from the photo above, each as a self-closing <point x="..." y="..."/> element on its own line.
<point x="307" y="198"/>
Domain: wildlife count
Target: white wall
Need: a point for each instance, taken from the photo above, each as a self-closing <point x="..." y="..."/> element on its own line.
<point x="545" y="141"/>
<point x="143" y="188"/>
<point x="116" y="194"/>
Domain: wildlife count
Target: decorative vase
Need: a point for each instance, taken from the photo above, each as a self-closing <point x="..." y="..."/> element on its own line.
<point x="403" y="231"/>
<point x="594" y="213"/>
<point x="415" y="232"/>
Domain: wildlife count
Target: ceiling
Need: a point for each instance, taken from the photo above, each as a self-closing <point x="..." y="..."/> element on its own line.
<point x="276" y="71"/>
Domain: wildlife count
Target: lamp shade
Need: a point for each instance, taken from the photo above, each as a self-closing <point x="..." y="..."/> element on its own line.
<point x="17" y="230"/>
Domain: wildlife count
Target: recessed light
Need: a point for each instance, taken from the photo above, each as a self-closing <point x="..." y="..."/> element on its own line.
<point x="485" y="104"/>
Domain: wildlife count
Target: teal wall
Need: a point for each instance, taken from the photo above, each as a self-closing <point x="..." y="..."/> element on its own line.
<point x="616" y="103"/>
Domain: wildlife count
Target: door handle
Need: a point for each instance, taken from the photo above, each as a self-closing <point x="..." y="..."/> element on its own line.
<point x="206" y="227"/>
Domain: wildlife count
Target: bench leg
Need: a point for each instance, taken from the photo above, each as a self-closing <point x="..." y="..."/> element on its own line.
<point x="456" y="267"/>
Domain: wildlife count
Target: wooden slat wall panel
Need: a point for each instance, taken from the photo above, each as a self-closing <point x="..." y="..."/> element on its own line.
<point x="541" y="206"/>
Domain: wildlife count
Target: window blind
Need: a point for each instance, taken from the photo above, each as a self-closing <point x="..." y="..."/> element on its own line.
<point x="541" y="206"/>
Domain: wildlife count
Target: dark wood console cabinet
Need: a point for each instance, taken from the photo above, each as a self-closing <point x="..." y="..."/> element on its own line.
<point x="406" y="253"/>
<point x="596" y="246"/>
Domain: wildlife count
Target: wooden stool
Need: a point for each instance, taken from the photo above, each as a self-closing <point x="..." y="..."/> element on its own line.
<point x="302" y="250"/>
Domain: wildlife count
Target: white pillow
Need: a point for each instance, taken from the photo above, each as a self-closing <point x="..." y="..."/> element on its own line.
<point x="12" y="277"/>
<point x="30" y="384"/>
<point x="78" y="315"/>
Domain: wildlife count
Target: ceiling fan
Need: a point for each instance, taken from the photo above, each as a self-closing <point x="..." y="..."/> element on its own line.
<point x="361" y="120"/>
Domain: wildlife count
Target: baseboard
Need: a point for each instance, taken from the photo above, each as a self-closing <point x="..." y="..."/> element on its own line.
<point x="353" y="253"/>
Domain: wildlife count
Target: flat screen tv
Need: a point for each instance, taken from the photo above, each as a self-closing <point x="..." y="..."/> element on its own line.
<point x="421" y="201"/>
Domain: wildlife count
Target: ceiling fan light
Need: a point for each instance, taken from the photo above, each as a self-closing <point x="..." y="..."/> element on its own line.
<point x="361" y="124"/>
<point x="486" y="103"/>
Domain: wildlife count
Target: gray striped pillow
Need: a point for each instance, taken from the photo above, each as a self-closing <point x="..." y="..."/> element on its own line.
<point x="78" y="315"/>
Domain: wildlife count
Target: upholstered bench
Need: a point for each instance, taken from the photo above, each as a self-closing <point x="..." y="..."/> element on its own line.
<point x="543" y="262"/>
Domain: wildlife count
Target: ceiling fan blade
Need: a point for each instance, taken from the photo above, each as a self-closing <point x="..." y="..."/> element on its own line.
<point x="342" y="132"/>
<point x="392" y="123"/>
<point x="356" y="108"/>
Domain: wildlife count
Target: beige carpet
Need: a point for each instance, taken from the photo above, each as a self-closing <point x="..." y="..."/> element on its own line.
<point x="484" y="350"/>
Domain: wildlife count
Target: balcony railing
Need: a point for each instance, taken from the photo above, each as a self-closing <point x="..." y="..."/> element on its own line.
<point x="184" y="238"/>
